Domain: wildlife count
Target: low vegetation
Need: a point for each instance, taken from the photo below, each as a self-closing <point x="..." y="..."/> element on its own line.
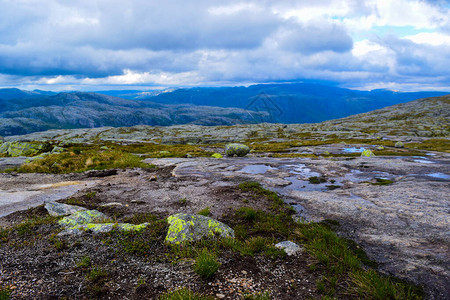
<point x="345" y="271"/>
<point x="206" y="264"/>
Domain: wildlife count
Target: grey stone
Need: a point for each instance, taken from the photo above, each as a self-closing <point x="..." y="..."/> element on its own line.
<point x="289" y="247"/>
<point x="61" y="209"/>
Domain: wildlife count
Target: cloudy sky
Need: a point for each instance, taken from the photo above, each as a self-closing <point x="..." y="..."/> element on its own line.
<point x="135" y="44"/>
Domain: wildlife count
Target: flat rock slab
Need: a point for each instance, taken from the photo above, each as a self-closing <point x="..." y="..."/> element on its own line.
<point x="20" y="196"/>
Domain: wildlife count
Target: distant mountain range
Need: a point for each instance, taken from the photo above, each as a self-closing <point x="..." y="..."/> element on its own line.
<point x="23" y="112"/>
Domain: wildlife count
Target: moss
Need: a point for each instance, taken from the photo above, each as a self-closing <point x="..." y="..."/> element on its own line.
<point x="382" y="181"/>
<point x="69" y="162"/>
<point x="317" y="180"/>
<point x="441" y="145"/>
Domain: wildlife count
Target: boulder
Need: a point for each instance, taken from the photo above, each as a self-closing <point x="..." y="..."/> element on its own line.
<point x="189" y="227"/>
<point x="399" y="145"/>
<point x="289" y="247"/>
<point x="16" y="149"/>
<point x="367" y="153"/>
<point x="82" y="217"/>
<point x="236" y="149"/>
<point x="82" y="221"/>
<point x="61" y="209"/>
<point x="102" y="228"/>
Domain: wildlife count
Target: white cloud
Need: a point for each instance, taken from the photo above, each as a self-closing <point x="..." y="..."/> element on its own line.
<point x="430" y="38"/>
<point x="212" y="42"/>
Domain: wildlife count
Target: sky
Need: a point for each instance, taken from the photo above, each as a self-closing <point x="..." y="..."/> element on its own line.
<point x="146" y="44"/>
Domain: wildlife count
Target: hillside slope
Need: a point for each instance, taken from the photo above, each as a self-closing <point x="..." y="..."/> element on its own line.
<point x="88" y="110"/>
<point x="423" y="117"/>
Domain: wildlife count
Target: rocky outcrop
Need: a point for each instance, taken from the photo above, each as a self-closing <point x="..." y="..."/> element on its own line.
<point x="188" y="227"/>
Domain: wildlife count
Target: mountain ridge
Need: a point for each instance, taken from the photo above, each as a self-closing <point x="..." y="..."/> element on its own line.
<point x="24" y="112"/>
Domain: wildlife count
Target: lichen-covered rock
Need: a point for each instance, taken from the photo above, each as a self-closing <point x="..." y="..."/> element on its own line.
<point x="399" y="145"/>
<point x="380" y="148"/>
<point x="82" y="221"/>
<point x="188" y="227"/>
<point x="57" y="150"/>
<point x="289" y="247"/>
<point x="61" y="209"/>
<point x="217" y="155"/>
<point x="102" y="228"/>
<point x="16" y="149"/>
<point x="236" y="149"/>
<point x="367" y="153"/>
<point x="82" y="217"/>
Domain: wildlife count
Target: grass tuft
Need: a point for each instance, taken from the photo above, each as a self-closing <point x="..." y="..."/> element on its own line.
<point x="206" y="264"/>
<point x="183" y="294"/>
<point x="205" y="212"/>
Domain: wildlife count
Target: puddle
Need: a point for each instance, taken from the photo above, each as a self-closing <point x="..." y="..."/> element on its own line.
<point x="423" y="161"/>
<point x="301" y="170"/>
<point x="303" y="185"/>
<point x="353" y="150"/>
<point x="360" y="176"/>
<point x="256" y="169"/>
<point x="438" y="175"/>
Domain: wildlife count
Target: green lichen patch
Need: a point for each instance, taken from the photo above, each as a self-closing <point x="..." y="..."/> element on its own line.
<point x="187" y="227"/>
<point x="367" y="153"/>
<point x="83" y="217"/>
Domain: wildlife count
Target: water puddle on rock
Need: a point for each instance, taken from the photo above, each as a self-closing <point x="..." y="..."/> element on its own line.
<point x="256" y="169"/>
<point x="353" y="150"/>
<point x="360" y="176"/>
<point x="301" y="170"/>
<point x="422" y="160"/>
<point x="438" y="176"/>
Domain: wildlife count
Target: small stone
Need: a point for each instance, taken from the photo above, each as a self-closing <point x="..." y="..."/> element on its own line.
<point x="61" y="209"/>
<point x="289" y="247"/>
<point x="153" y="178"/>
<point x="220" y="296"/>
<point x="244" y="272"/>
<point x="112" y="204"/>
